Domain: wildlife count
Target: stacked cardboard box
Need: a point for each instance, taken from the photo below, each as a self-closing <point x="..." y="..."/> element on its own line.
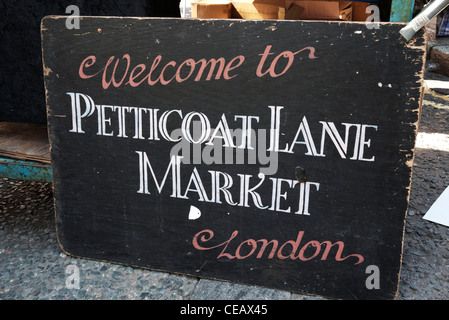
<point x="258" y="9"/>
<point x="242" y="9"/>
<point x="359" y="10"/>
<point x="281" y="9"/>
<point x="324" y="10"/>
<point x="211" y="9"/>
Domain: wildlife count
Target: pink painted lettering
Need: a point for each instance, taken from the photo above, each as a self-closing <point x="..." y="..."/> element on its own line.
<point x="292" y="250"/>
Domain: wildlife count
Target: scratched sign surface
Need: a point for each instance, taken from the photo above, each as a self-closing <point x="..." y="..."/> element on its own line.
<point x="272" y="153"/>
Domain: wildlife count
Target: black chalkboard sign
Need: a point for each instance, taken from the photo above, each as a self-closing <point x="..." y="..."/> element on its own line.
<point x="273" y="153"/>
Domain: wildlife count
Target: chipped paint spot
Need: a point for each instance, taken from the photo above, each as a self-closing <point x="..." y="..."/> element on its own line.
<point x="194" y="213"/>
<point x="85" y="33"/>
<point x="46" y="71"/>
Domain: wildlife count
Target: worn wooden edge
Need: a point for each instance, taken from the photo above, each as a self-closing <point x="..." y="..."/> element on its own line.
<point x="53" y="168"/>
<point x="22" y="156"/>
<point x="56" y="17"/>
<point x="24" y="141"/>
<point x="423" y="48"/>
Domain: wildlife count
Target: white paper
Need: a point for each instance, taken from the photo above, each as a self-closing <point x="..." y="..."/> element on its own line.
<point x="439" y="211"/>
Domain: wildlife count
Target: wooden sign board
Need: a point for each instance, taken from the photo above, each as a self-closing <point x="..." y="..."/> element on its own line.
<point x="272" y="153"/>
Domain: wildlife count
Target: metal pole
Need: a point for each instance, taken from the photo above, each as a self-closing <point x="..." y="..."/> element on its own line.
<point x="429" y="11"/>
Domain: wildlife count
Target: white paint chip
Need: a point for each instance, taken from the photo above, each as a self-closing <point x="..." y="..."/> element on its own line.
<point x="194" y="213"/>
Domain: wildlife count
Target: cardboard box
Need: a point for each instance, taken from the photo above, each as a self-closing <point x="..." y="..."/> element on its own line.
<point x="211" y="9"/>
<point x="359" y="10"/>
<point x="294" y="12"/>
<point x="276" y="9"/>
<point x="258" y="9"/>
<point x="241" y="9"/>
<point x="323" y="10"/>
